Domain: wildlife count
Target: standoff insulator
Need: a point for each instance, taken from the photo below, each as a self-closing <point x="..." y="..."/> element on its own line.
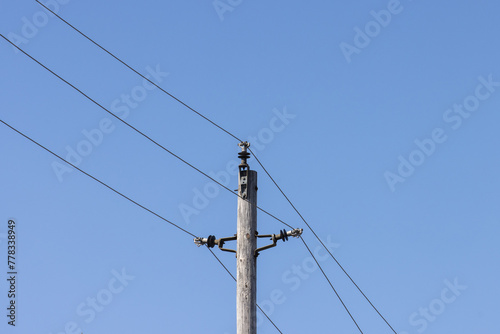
<point x="244" y="155"/>
<point x="283" y="235"/>
<point x="210" y="241"/>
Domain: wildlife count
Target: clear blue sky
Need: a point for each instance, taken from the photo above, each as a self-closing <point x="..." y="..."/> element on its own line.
<point x="379" y="119"/>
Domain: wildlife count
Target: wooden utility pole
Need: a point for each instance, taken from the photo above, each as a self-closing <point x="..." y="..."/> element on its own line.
<point x="246" y="243"/>
<point x="246" y="268"/>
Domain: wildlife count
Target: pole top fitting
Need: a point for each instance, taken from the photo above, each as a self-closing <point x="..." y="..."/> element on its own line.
<point x="244" y="145"/>
<point x="244" y="155"/>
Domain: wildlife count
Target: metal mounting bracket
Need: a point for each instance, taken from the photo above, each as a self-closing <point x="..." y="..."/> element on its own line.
<point x="211" y="242"/>
<point x="275" y="237"/>
<point x="244" y="185"/>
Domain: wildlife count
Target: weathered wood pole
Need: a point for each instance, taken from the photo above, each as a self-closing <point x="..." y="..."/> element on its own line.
<point x="246" y="285"/>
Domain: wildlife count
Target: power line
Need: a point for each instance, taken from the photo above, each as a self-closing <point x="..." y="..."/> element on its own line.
<point x="184" y="161"/>
<point x="234" y="278"/>
<point x="213" y="123"/>
<point x="165" y="149"/>
<point x="206" y="118"/>
<point x="129" y="199"/>
<point x="331" y="285"/>
<point x="99" y="181"/>
<point x="138" y="73"/>
<point x="150" y="139"/>
<point x="324" y="246"/>
<point x="134" y="128"/>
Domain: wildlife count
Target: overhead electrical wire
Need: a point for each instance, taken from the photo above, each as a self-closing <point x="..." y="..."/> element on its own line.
<point x="137" y="130"/>
<point x="234" y="278"/>
<point x="155" y="142"/>
<point x="99" y="181"/>
<point x="216" y="125"/>
<point x="170" y="152"/>
<point x="150" y="139"/>
<point x="331" y="285"/>
<point x="324" y="246"/>
<point x="130" y="200"/>
<point x="121" y="194"/>
<point x="138" y="73"/>
<point x="164" y="148"/>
